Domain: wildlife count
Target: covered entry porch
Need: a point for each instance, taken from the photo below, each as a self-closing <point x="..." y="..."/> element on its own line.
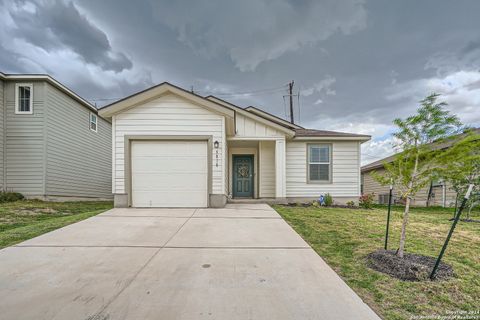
<point x="256" y="168"/>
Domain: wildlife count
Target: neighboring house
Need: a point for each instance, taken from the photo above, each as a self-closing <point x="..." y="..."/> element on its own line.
<point x="53" y="144"/>
<point x="173" y="148"/>
<point x="437" y="193"/>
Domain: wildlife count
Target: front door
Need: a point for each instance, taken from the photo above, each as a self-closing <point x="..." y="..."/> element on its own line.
<point x="243" y="176"/>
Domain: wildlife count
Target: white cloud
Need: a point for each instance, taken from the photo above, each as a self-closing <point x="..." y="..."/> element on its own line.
<point x="322" y="87"/>
<point x="319" y="101"/>
<point x="254" y="31"/>
<point x="460" y="89"/>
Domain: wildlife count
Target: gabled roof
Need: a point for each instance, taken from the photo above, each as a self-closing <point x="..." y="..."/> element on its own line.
<point x="158" y="90"/>
<point x="53" y="82"/>
<point x="253" y="116"/>
<point x="273" y="118"/>
<point x="435" y="146"/>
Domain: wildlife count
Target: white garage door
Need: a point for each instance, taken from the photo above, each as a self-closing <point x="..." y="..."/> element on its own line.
<point x="169" y="173"/>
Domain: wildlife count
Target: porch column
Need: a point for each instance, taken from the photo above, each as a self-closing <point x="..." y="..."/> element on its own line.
<point x="280" y="169"/>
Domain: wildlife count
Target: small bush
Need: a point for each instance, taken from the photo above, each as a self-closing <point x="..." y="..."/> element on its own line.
<point x="366" y="201"/>
<point x="328" y="200"/>
<point x="350" y="204"/>
<point x="8" y="196"/>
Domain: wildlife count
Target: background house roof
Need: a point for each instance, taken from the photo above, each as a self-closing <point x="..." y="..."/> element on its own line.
<point x="435" y="145"/>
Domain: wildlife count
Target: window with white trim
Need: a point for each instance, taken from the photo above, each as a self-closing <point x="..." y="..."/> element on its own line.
<point x="93" y="122"/>
<point x="23" y="98"/>
<point x="319" y="163"/>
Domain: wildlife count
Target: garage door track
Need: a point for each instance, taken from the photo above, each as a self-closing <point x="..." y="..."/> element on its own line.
<point x="240" y="262"/>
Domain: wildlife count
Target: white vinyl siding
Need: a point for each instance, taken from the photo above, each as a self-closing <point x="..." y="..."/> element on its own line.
<point x="164" y="116"/>
<point x="266" y="169"/>
<point x="345" y="175"/>
<point x="247" y="127"/>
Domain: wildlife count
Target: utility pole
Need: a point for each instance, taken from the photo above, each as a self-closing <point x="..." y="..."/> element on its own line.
<point x="290" y="91"/>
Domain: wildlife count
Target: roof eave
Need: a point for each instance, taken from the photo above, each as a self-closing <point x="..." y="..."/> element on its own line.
<point x="158" y="90"/>
<point x="344" y="138"/>
<point x="254" y="116"/>
<point x="53" y="82"/>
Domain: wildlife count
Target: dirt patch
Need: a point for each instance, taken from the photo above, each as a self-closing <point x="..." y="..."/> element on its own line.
<point x="35" y="211"/>
<point x="412" y="267"/>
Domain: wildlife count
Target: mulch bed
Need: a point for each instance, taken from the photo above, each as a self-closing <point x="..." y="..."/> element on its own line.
<point x="412" y="267"/>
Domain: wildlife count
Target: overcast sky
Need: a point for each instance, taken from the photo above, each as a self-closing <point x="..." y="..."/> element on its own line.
<point x="357" y="64"/>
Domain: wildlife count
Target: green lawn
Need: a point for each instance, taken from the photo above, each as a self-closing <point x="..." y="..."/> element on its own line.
<point x="25" y="219"/>
<point x="343" y="237"/>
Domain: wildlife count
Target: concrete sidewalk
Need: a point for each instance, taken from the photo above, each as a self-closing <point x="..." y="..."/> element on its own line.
<point x="241" y="262"/>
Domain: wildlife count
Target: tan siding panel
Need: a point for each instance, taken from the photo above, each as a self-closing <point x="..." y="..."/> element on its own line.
<point x="79" y="160"/>
<point x="24" y="138"/>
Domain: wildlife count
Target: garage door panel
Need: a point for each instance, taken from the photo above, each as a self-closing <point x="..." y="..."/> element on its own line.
<point x="156" y="181"/>
<point x="169" y="173"/>
<point x="166" y="164"/>
<point x="144" y="199"/>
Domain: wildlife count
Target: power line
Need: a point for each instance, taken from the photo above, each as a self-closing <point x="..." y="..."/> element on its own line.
<point x="251" y="92"/>
<point x="230" y="94"/>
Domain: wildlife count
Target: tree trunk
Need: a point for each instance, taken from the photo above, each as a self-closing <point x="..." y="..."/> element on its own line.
<point x="403" y="235"/>
<point x="401" y="247"/>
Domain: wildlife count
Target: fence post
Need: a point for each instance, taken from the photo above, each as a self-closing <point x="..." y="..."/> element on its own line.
<point x="388" y="215"/>
<point x="454" y="224"/>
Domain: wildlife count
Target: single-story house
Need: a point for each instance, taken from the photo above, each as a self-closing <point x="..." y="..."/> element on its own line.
<point x="174" y="148"/>
<point x="437" y="193"/>
<point x="53" y="144"/>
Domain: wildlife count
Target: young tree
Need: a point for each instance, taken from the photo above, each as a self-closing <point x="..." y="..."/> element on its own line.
<point x="413" y="167"/>
<point x="461" y="166"/>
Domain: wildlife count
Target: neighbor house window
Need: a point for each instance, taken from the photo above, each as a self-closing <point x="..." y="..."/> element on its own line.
<point x="93" y="122"/>
<point x="319" y="163"/>
<point x="23" y="98"/>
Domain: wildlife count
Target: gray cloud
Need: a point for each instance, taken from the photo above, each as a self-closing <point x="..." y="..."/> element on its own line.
<point x="252" y="32"/>
<point x="56" y="24"/>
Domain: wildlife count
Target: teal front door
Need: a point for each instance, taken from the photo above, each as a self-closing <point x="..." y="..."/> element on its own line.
<point x="243" y="176"/>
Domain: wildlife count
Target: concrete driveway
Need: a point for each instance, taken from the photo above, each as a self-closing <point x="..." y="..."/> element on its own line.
<point x="241" y="262"/>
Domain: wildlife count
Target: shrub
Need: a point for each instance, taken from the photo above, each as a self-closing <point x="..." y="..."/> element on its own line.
<point x="350" y="203"/>
<point x="328" y="200"/>
<point x="366" y="200"/>
<point x="8" y="196"/>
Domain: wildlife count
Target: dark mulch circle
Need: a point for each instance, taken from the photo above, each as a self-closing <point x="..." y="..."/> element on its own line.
<point x="412" y="267"/>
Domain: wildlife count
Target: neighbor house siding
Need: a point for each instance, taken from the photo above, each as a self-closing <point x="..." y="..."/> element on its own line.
<point x="2" y="134"/>
<point x="78" y="159"/>
<point x="370" y="185"/>
<point x="25" y="141"/>
<point x="247" y="127"/>
<point x="164" y="116"/>
<point x="267" y="169"/>
<point x="345" y="180"/>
